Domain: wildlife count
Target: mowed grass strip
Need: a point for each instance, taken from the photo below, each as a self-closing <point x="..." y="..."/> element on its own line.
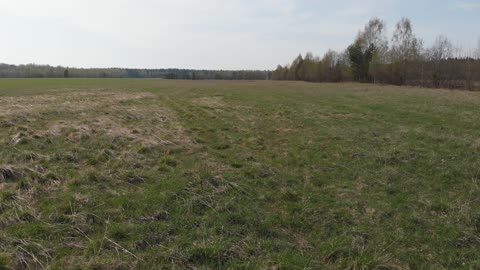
<point x="148" y="174"/>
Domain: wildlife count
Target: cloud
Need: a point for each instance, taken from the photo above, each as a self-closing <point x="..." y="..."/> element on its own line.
<point x="468" y="5"/>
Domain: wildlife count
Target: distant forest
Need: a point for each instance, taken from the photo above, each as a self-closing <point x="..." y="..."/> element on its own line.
<point x="45" y="71"/>
<point x="402" y="61"/>
<point x="371" y="58"/>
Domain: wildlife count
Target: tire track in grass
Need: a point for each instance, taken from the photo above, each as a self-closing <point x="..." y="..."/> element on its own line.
<point x="263" y="181"/>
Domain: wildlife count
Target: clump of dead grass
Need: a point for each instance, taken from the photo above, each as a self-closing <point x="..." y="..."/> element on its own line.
<point x="210" y="102"/>
<point x="7" y="173"/>
<point x="17" y="138"/>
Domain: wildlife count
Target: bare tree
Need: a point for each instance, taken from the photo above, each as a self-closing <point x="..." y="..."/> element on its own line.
<point x="374" y="35"/>
<point x="406" y="50"/>
<point x="441" y="49"/>
<point x="329" y="63"/>
<point x="441" y="71"/>
<point x="309" y="67"/>
<point x="376" y="39"/>
<point x="477" y="52"/>
<point x="405" y="46"/>
<point x="295" y="69"/>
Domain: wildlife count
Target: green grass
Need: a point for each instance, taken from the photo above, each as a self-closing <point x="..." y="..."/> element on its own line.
<point x="149" y="174"/>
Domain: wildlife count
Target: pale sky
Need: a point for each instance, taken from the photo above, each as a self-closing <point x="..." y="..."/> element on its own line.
<point x="210" y="34"/>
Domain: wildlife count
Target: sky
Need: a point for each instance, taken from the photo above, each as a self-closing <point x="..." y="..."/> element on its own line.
<point x="211" y="34"/>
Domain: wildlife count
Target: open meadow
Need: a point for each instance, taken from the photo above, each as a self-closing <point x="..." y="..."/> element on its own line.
<point x="163" y="174"/>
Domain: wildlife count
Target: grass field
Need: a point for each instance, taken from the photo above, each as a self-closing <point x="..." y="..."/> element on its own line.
<point x="155" y="174"/>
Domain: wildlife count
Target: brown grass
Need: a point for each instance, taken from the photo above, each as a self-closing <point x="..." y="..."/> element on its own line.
<point x="67" y="101"/>
<point x="210" y="102"/>
<point x="82" y="110"/>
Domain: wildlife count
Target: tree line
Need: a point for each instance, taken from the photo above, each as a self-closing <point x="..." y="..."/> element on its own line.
<point x="402" y="61"/>
<point x="46" y="71"/>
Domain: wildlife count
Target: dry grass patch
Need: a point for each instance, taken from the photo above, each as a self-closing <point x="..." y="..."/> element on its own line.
<point x="210" y="102"/>
<point x="116" y="114"/>
<point x="66" y="101"/>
